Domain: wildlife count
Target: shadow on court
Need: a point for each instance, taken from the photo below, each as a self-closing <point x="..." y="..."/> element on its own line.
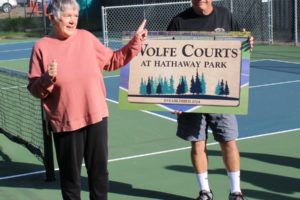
<point x="127" y="189"/>
<point x="4" y="156"/>
<point x="273" y="159"/>
<point x="266" y="195"/>
<point x="267" y="158"/>
<point x="36" y="181"/>
<point x="267" y="181"/>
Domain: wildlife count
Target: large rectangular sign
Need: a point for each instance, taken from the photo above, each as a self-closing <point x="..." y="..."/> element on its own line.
<point x="188" y="71"/>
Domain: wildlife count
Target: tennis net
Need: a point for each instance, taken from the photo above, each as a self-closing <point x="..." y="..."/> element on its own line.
<point x="21" y="117"/>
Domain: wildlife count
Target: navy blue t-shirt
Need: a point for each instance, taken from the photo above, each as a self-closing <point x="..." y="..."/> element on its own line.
<point x="188" y="20"/>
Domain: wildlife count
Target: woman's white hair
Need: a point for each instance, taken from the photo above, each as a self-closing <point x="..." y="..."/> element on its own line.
<point x="57" y="6"/>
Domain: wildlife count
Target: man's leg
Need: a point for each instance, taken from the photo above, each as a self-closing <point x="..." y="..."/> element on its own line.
<point x="200" y="164"/>
<point x="231" y="158"/>
<point x="231" y="155"/>
<point x="225" y="130"/>
<point x="193" y="127"/>
<point x="199" y="156"/>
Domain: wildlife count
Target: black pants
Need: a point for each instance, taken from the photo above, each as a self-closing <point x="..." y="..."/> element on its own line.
<point x="89" y="143"/>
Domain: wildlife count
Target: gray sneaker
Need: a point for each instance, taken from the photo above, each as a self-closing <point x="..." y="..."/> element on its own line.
<point x="205" y="195"/>
<point x="236" y="196"/>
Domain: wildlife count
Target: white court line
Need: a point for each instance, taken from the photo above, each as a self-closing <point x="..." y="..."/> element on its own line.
<point x="13" y="87"/>
<point x="154" y="153"/>
<point x="5" y="51"/>
<point x="272" y="84"/>
<point x="13" y="43"/>
<point x="274" y="60"/>
<point x="113" y="76"/>
<point x="209" y="144"/>
<point x="11" y="60"/>
<point x="22" y="175"/>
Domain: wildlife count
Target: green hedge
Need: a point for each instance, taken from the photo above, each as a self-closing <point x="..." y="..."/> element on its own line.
<point x="31" y="26"/>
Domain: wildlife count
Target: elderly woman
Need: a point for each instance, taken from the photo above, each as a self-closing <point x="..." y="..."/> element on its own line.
<point x="66" y="73"/>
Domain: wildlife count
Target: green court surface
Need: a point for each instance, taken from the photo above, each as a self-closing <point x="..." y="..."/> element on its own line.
<point x="278" y="52"/>
<point x="153" y="164"/>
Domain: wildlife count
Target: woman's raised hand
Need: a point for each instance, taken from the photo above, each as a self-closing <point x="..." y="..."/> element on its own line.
<point x="141" y="31"/>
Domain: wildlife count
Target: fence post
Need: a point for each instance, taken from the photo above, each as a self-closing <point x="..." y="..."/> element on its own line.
<point x="296" y="21"/>
<point x="104" y="26"/>
<point x="270" y="13"/>
<point x="44" y="16"/>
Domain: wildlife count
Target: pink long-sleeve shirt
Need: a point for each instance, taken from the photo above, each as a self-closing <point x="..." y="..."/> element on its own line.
<point x="76" y="97"/>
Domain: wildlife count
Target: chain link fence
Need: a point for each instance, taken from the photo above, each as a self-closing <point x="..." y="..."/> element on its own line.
<point x="270" y="21"/>
<point x="128" y="18"/>
<point x="286" y="20"/>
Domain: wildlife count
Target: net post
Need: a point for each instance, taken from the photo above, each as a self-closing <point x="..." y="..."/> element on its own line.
<point x="48" y="150"/>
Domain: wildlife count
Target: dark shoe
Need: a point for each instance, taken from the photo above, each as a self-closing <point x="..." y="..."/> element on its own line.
<point x="236" y="196"/>
<point x="205" y="195"/>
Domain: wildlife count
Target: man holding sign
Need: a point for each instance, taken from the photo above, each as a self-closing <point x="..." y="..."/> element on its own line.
<point x="204" y="16"/>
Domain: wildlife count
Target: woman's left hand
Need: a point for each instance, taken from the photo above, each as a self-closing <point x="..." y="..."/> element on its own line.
<point x="251" y="40"/>
<point x="141" y="31"/>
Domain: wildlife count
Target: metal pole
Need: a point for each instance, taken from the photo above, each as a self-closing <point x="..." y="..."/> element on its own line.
<point x="87" y="14"/>
<point x="48" y="150"/>
<point x="44" y="16"/>
<point x="271" y="40"/>
<point x="24" y="6"/>
<point x="296" y="21"/>
<point x="104" y="26"/>
<point x="144" y="12"/>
